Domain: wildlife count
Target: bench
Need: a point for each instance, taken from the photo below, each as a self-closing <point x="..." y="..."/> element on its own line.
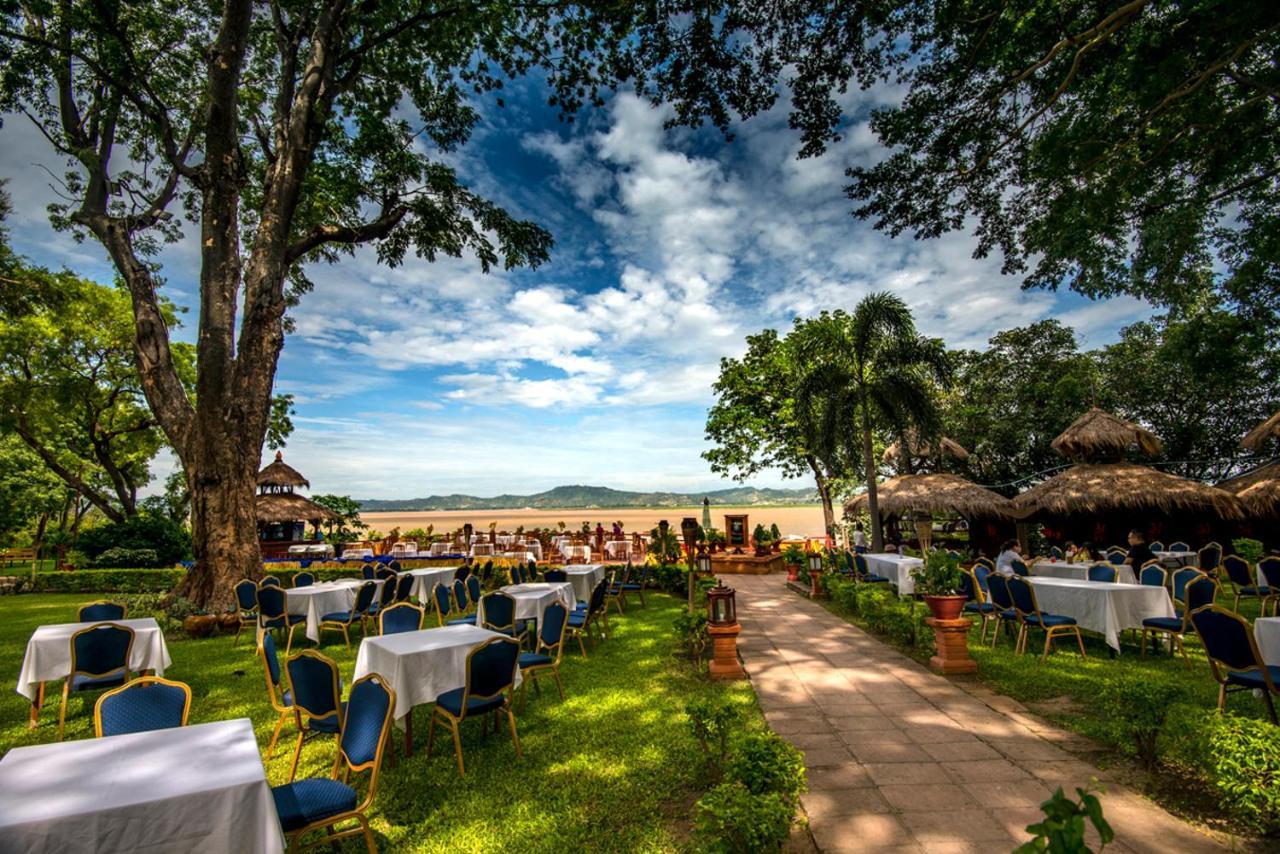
<point x="20" y="556"/>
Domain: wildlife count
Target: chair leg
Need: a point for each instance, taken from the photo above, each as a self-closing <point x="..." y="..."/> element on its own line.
<point x="1266" y="696"/>
<point x="457" y="747"/>
<point x="995" y="636"/>
<point x="346" y="638"/>
<point x="368" y="834"/>
<point x="1222" y="695"/>
<point x="235" y="641"/>
<point x="62" y="711"/>
<point x="288" y="646"/>
<point x="1080" y="642"/>
<point x="582" y="644"/>
<point x="297" y="754"/>
<point x="1143" y="642"/>
<point x="1183" y="649"/>
<point x="555" y="671"/>
<point x="515" y="739"/>
<point x="1048" y="640"/>
<point x="275" y="735"/>
<point x="431" y="730"/>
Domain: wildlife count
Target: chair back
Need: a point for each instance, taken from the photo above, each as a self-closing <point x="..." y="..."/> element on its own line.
<point x="101" y="650"/>
<point x="271" y="601"/>
<point x="473" y="589"/>
<point x="247" y="595"/>
<point x="1238" y="570"/>
<point x="443" y="599"/>
<point x="486" y="572"/>
<point x="982" y="573"/>
<point x="368" y="572"/>
<point x="499" y="611"/>
<point x="598" y="594"/>
<point x="303" y="579"/>
<point x="1181" y="579"/>
<point x="517" y="573"/>
<point x="385" y="573"/>
<point x="270" y="579"/>
<point x="553" y="575"/>
<point x="1200" y="591"/>
<point x="1269" y="572"/>
<point x="364" y="598"/>
<point x="1156" y="546"/>
<point x="1227" y="638"/>
<point x="395" y="567"/>
<point x="969" y="587"/>
<point x="387" y="593"/>
<point x="1024" y="598"/>
<point x="1179" y="547"/>
<point x="404" y="587"/>
<point x="1117" y="555"/>
<point x="313" y="679"/>
<point x="1153" y="575"/>
<point x="100" y="612"/>
<point x="531" y="570"/>
<point x="1209" y="557"/>
<point x="400" y="617"/>
<point x="1055" y="553"/>
<point x="460" y="594"/>
<point x="491" y="669"/>
<point x="985" y="561"/>
<point x="1103" y="572"/>
<point x="368" y="720"/>
<point x="555" y="617"/>
<point x="461" y="573"/>
<point x="270" y="662"/>
<point x="147" y="703"/>
<point x="1019" y="568"/>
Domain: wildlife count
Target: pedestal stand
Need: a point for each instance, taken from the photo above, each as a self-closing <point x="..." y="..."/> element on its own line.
<point x="724" y="652"/>
<point x="952" y="639"/>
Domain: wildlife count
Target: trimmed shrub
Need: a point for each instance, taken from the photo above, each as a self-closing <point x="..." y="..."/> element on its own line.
<point x="1135" y="711"/>
<point x="105" y="581"/>
<point x="710" y="719"/>
<point x="1243" y="759"/>
<point x="116" y="556"/>
<point x="691" y="627"/>
<point x="729" y="819"/>
<point x="765" y="762"/>
<point x="170" y="541"/>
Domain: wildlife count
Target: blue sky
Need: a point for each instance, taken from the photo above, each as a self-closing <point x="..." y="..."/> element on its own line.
<point x="671" y="247"/>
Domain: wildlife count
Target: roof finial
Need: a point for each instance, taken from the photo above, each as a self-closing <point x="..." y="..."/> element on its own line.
<point x="279" y="456"/>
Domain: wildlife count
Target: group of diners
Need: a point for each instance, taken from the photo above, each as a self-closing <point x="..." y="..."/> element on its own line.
<point x="487" y="638"/>
<point x="1159" y="593"/>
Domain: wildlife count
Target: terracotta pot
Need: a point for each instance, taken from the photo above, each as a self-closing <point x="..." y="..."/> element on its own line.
<point x="793" y="572"/>
<point x="229" y="621"/>
<point x="945" y="607"/>
<point x="200" y="625"/>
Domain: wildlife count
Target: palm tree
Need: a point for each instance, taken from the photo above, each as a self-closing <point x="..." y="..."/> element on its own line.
<point x="866" y="370"/>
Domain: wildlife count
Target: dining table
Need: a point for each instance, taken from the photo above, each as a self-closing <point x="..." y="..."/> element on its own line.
<point x="1079" y="571"/>
<point x="1105" y="607"/>
<point x="584" y="578"/>
<point x="532" y="599"/>
<point x="1266" y="631"/>
<point x="426" y="579"/>
<point x="325" y="597"/>
<point x="895" y="567"/>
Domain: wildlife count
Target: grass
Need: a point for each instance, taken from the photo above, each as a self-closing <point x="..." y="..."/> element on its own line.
<point x="613" y="767"/>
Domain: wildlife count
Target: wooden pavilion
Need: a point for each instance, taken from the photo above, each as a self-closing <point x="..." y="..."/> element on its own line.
<point x="988" y="514"/>
<point x="283" y="515"/>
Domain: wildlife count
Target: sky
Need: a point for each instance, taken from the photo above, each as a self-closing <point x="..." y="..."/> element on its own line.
<point x="596" y="368"/>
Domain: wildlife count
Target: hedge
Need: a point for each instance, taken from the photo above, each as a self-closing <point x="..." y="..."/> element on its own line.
<point x="102" y="581"/>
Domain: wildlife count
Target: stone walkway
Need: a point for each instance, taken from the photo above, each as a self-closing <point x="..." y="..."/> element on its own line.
<point x="900" y="759"/>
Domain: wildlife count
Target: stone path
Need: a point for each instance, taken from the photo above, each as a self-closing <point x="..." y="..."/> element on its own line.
<point x="901" y="759"/>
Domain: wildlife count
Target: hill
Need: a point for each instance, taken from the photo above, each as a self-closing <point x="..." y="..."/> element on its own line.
<point x="575" y="497"/>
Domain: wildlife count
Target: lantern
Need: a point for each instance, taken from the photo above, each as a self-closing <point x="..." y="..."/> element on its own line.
<point x="815" y="562"/>
<point x="689" y="530"/>
<point x="704" y="563"/>
<point x="721" y="608"/>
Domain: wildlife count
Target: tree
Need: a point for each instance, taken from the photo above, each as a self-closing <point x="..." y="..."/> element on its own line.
<point x="865" y="371"/>
<point x="29" y="494"/>
<point x="348" y="521"/>
<point x="293" y="132"/>
<point x="753" y="422"/>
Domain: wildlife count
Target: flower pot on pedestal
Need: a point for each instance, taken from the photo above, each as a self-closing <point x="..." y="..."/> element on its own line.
<point x="945" y="607"/>
<point x="951" y="635"/>
<point x="200" y="625"/>
<point x="815" y="585"/>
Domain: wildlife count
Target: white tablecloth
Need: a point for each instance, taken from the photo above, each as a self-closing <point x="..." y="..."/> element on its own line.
<point x="322" y="598"/>
<point x="48" y="655"/>
<point x="897" y="568"/>
<point x="1101" y="606"/>
<point x="422" y="665"/>
<point x="482" y="549"/>
<point x="442" y="548"/>
<point x="352" y="554"/>
<point x="426" y="579"/>
<point x="504" y="539"/>
<point x="1078" y="571"/>
<point x="576" y="552"/>
<point x="584" y="579"/>
<point x="617" y="548"/>
<point x="533" y="547"/>
<point x="533" y="598"/>
<point x="1180" y="558"/>
<point x="1267" y="632"/>
<point x="197" y="790"/>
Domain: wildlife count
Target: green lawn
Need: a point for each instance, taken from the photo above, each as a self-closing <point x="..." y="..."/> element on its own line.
<point x="613" y="767"/>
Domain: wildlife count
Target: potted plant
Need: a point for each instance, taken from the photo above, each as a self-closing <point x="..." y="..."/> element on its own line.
<point x="938" y="581"/>
<point x="793" y="557"/>
<point x="775" y="537"/>
<point x="761" y="537"/>
<point x="715" y="540"/>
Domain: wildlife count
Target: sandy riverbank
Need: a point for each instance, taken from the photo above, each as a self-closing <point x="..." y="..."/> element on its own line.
<point x="802" y="520"/>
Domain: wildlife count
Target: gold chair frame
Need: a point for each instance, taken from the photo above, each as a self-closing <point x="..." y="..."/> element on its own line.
<point x="299" y="711"/>
<point x="135" y="685"/>
<point x="66" y="685"/>
<point x="453" y="722"/>
<point x="534" y="671"/>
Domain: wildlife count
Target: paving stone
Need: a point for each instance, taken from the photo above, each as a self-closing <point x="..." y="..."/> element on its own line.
<point x="841" y="722"/>
<point x="889" y="751"/>
<point x="891" y="773"/>
<point x="960" y="827"/>
<point x="927" y="797"/>
<point x="832" y="803"/>
<point x="853" y="834"/>
<point x="935" y="734"/>
<point x="850" y="775"/>
<point x="957" y="751"/>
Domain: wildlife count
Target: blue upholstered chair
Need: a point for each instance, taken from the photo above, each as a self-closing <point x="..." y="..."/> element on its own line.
<point x="99" y="660"/>
<point x="384" y="573"/>
<point x="385" y="598"/>
<point x="462" y="573"/>
<point x="1020" y="568"/>
<point x="1178" y="547"/>
<point x="864" y="574"/>
<point x="1103" y="572"/>
<point x="473" y="590"/>
<point x="270" y="579"/>
<point x="1055" y="553"/>
<point x="461" y="605"/>
<point x="531" y="570"/>
<point x="554" y="575"/>
<point x="587" y="617"/>
<point x="368" y="572"/>
<point x="1234" y="659"/>
<point x="1153" y="575"/>
<point x="1269" y="576"/>
<point x="402" y="590"/>
<point x="281" y="698"/>
<point x="273" y="613"/>
<point x="1240" y="574"/>
<point x="548" y="653"/>
<point x="1209" y="558"/>
<point x="246" y="605"/>
<point x="1024" y="601"/>
<point x="147" y="703"/>
<point x="400" y="617"/>
<point x="617" y="591"/>
<point x="498" y="614"/>
<point x="442" y="598"/>
<point x="1192" y="589"/>
<point x="100" y="612"/>
<point x="303" y="579"/>
<point x="317" y="698"/>
<point x="1156" y="546"/>
<point x="491" y="677"/>
<point x="323" y="802"/>
<point x="634" y="584"/>
<point x="976" y="601"/>
<point x="516" y="571"/>
<point x="1117" y="555"/>
<point x="1002" y="599"/>
<point x="342" y="621"/>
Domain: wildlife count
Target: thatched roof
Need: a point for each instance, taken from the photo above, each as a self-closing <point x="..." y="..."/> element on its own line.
<point x="1258" y="436"/>
<point x="279" y="474"/>
<point x="289" y="507"/>
<point x="943" y="445"/>
<point x="1098" y="434"/>
<point x="1108" y="487"/>
<point x="935" y="493"/>
<point x="1258" y="490"/>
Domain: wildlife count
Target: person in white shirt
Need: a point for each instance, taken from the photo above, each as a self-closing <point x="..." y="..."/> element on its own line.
<point x="859" y="538"/>
<point x="1009" y="552"/>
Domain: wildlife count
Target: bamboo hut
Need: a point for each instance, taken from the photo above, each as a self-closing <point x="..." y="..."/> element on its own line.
<point x="1256" y="439"/>
<point x="1258" y="491"/>
<point x="282" y="514"/>
<point x="907" y="495"/>
<point x="1103" y="496"/>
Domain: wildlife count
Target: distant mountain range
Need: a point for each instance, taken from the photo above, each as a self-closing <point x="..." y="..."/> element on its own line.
<point x="575" y="497"/>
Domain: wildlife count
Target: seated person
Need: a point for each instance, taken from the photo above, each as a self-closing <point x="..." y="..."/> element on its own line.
<point x="1139" y="551"/>
<point x="1009" y="552"/>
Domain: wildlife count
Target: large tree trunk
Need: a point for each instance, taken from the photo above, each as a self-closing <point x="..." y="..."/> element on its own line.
<point x="224" y="525"/>
<point x="824" y="492"/>
<point x="873" y="501"/>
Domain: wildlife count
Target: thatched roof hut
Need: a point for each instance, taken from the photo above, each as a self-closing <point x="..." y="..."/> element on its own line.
<point x="1257" y="490"/>
<point x="918" y="448"/>
<point x="1099" y="488"/>
<point x="1099" y="435"/>
<point x="936" y="493"/>
<point x="280" y="477"/>
<point x="1256" y="438"/>
<point x="286" y="507"/>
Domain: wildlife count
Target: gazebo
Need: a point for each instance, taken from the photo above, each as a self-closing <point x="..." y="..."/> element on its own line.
<point x="1100" y="497"/>
<point x="283" y="514"/>
<point x="1259" y="489"/>
<point x="941" y="492"/>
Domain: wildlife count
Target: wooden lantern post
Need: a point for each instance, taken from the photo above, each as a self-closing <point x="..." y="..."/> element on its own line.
<point x="689" y="529"/>
<point x="722" y="626"/>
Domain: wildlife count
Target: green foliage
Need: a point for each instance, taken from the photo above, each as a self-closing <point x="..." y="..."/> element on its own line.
<point x="1243" y="757"/>
<point x="170" y="540"/>
<point x="765" y="762"/>
<point x="1137" y="709"/>
<point x="774" y="533"/>
<point x="348" y="523"/>
<point x="940" y="575"/>
<point x="1249" y="549"/>
<point x="691" y="628"/>
<point x="671" y="577"/>
<point x="107" y="581"/>
<point x="761" y="536"/>
<point x="729" y="819"/>
<point x="665" y="549"/>
<point x="712" y="718"/>
<point x="1062" y="831"/>
<point x="116" y="556"/>
<point x="793" y="555"/>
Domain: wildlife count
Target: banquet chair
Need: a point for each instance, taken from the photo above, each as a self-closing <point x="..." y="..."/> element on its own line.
<point x="461" y="573"/>
<point x="273" y="613"/>
<point x="147" y="703"/>
<point x="404" y="588"/>
<point x="317" y="698"/>
<point x="1192" y="589"/>
<point x="281" y="698"/>
<point x="1269" y="575"/>
<point x="516" y="571"/>
<point x="1024" y="602"/>
<point x="617" y="593"/>
<point x="549" y="652"/>
<point x="461" y="605"/>
<point x="1209" y="558"/>
<point x="584" y="619"/>
<point x="976" y="602"/>
<point x="498" y="614"/>
<point x="637" y="586"/>
<point x="531" y="570"/>
<point x="553" y="575"/>
<point x="342" y="621"/>
<point x="385" y="573"/>
<point x="864" y="575"/>
<point x="385" y="598"/>
<point x="1179" y="547"/>
<point x="303" y="579"/>
<point x="442" y="597"/>
<point x="1234" y="659"/>
<point x="998" y="589"/>
<point x="368" y="572"/>
<point x="1103" y="572"/>
<point x="269" y="579"/>
<point x="1153" y="575"/>
<point x="1055" y="553"/>
<point x="1019" y="568"/>
<point x="1240" y="574"/>
<point x="1156" y="546"/>
<point x="400" y="617"/>
<point x="1117" y="555"/>
<point x="100" y="612"/>
<point x="246" y="606"/>
<point x="473" y="590"/>
<point x="491" y="678"/>
<point x="322" y="802"/>
<point x="99" y="659"/>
